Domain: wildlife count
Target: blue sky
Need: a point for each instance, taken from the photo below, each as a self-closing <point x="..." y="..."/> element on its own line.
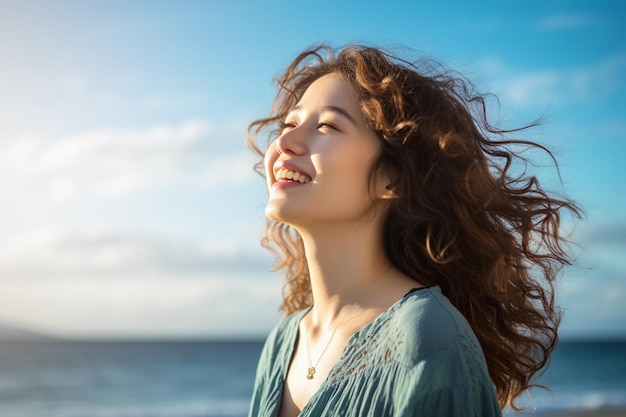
<point x="129" y="207"/>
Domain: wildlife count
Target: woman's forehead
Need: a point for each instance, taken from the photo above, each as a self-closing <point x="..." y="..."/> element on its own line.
<point x="330" y="91"/>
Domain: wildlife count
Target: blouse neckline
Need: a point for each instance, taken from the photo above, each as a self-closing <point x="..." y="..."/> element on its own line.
<point x="293" y="339"/>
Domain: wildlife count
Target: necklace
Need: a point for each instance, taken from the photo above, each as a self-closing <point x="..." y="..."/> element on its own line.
<point x="311" y="368"/>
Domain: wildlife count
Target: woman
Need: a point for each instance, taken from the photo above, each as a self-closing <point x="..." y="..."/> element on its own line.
<point x="419" y="269"/>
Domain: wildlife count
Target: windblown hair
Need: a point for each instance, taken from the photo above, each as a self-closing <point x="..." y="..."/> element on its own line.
<point x="466" y="218"/>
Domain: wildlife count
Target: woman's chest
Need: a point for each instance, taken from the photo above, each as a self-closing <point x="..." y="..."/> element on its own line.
<point x="307" y="372"/>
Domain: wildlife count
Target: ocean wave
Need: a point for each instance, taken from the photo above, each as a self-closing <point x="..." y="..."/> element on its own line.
<point x="571" y="402"/>
<point x="534" y="405"/>
<point x="194" y="409"/>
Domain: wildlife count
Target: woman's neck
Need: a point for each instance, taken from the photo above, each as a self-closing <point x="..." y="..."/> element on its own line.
<point x="345" y="265"/>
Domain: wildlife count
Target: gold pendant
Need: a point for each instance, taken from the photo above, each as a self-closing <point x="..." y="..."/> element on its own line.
<point x="311" y="373"/>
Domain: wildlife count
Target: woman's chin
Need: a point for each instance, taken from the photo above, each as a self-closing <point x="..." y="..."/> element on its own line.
<point x="279" y="212"/>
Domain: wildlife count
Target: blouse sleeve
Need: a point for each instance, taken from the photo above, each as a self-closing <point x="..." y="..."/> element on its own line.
<point x="261" y="375"/>
<point x="442" y="385"/>
<point x="267" y="391"/>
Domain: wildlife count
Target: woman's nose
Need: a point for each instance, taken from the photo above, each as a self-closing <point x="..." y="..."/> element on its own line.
<point x="292" y="141"/>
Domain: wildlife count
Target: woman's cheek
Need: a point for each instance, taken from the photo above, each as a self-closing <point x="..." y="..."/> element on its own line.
<point x="268" y="161"/>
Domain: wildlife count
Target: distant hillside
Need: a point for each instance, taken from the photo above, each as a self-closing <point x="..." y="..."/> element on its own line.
<point x="9" y="332"/>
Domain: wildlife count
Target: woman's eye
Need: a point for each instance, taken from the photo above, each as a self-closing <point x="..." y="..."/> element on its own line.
<point x="326" y="125"/>
<point x="287" y="125"/>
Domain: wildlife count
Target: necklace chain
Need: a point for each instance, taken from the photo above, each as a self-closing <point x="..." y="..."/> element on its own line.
<point x="312" y="366"/>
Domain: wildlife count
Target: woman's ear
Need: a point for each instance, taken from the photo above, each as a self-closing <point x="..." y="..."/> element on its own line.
<point x="384" y="189"/>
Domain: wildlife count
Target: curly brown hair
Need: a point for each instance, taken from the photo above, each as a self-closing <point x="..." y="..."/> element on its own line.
<point x="462" y="219"/>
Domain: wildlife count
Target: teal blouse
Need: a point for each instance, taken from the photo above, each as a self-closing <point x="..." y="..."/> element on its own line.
<point x="419" y="358"/>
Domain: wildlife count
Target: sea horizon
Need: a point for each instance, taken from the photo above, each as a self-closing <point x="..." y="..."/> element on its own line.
<point x="214" y="378"/>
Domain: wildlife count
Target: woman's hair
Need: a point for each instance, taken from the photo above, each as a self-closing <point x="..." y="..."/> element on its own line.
<point x="466" y="218"/>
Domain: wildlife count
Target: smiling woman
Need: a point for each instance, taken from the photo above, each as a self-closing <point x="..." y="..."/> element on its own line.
<point x="419" y="269"/>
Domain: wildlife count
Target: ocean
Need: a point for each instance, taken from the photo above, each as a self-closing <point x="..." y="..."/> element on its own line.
<point x="214" y="379"/>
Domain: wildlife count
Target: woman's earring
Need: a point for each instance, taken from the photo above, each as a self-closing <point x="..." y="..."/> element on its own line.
<point x="389" y="193"/>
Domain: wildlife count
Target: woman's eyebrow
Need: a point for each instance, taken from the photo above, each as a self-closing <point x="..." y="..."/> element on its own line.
<point x="332" y="109"/>
<point x="339" y="110"/>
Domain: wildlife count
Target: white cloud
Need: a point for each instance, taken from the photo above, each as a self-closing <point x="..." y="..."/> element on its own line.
<point x="94" y="282"/>
<point x="109" y="163"/>
<point x="593" y="291"/>
<point x="48" y="254"/>
<point x="65" y="263"/>
<point x="569" y="21"/>
<point x="534" y="87"/>
<point x="594" y="302"/>
<point x="232" y="169"/>
<point x="546" y="86"/>
<point x="148" y="306"/>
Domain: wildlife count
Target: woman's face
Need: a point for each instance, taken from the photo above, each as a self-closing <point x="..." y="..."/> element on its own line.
<point x="317" y="169"/>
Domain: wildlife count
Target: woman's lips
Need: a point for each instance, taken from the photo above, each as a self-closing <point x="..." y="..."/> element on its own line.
<point x="288" y="178"/>
<point x="283" y="184"/>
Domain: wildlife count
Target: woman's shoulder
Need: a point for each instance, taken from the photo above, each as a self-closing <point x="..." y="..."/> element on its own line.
<point x="428" y="310"/>
<point x="442" y="357"/>
<point x="426" y="323"/>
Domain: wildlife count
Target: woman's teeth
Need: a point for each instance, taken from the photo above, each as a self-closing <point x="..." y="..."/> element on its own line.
<point x="287" y="174"/>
